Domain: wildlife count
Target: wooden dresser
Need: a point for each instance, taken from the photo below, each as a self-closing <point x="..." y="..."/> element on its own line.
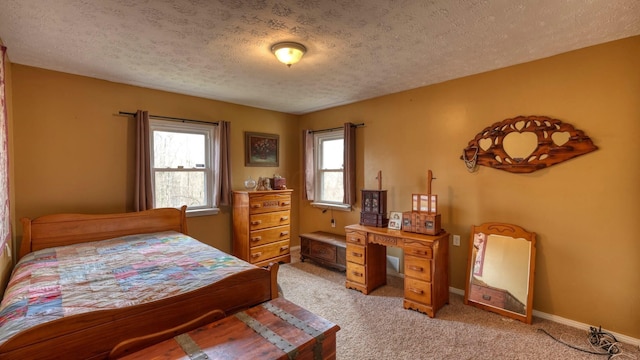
<point x="261" y="226"/>
<point x="426" y="264"/>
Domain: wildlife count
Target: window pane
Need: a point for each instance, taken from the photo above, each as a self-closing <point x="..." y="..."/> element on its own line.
<point x="332" y="187"/>
<point x="174" y="149"/>
<point x="177" y="188"/>
<point x="332" y="154"/>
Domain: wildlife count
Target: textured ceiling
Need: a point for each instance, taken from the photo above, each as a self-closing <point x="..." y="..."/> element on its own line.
<point x="357" y="49"/>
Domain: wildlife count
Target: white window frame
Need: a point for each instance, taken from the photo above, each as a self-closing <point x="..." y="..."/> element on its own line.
<point x="318" y="139"/>
<point x="212" y="163"/>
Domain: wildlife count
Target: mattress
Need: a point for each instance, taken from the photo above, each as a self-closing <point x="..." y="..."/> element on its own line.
<point x="63" y="281"/>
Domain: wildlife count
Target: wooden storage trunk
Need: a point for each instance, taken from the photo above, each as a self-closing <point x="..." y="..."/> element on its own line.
<point x="277" y="329"/>
<point x="325" y="248"/>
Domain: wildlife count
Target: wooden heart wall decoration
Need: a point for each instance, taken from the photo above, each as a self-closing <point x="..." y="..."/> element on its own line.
<point x="525" y="144"/>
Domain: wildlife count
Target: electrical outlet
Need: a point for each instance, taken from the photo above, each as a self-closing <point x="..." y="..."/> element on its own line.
<point x="333" y="222"/>
<point x="456" y="240"/>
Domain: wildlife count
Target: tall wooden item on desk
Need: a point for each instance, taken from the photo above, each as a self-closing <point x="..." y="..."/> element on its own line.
<point x="423" y="217"/>
<point x="374" y="206"/>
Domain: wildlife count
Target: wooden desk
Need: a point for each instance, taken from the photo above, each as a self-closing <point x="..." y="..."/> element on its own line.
<point x="426" y="264"/>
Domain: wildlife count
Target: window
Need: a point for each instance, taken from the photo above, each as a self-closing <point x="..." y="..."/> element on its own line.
<point x="182" y="165"/>
<point x="329" y="168"/>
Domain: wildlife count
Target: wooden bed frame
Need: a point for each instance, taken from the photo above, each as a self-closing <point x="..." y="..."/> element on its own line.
<point x="93" y="335"/>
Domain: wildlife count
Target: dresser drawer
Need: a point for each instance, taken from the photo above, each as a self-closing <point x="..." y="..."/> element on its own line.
<point x="356" y="254"/>
<point x="266" y="236"/>
<point x="417" y="290"/>
<point x="487" y="295"/>
<point x="262" y="221"/>
<point x="263" y="252"/>
<point x="269" y="202"/>
<point x="417" y="267"/>
<point x="356" y="237"/>
<point x="356" y="273"/>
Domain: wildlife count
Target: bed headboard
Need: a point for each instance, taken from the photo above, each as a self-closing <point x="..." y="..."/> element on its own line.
<point x="66" y="229"/>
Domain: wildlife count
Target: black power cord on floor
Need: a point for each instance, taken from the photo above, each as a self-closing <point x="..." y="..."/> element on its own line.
<point x="604" y="342"/>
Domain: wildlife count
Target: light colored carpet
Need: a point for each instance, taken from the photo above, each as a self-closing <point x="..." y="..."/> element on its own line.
<point x="376" y="326"/>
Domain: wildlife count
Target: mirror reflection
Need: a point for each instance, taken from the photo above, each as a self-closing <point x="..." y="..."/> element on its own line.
<point x="500" y="277"/>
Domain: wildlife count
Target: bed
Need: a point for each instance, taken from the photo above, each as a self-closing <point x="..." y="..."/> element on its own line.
<point x="61" y="256"/>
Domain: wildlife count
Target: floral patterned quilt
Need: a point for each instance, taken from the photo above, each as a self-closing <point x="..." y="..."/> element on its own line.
<point x="53" y="283"/>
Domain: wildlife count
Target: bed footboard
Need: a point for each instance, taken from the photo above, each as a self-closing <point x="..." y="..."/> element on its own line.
<point x="93" y="335"/>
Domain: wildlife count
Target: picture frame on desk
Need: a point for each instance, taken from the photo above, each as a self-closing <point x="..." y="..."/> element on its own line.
<point x="395" y="220"/>
<point x="261" y="149"/>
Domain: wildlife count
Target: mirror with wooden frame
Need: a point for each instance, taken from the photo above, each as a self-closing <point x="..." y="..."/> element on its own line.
<point x="500" y="271"/>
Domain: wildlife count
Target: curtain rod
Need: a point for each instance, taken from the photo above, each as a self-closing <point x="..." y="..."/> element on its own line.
<point x="171" y="118"/>
<point x="335" y="128"/>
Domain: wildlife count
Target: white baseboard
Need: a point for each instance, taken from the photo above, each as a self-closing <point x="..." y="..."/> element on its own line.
<point x="575" y="324"/>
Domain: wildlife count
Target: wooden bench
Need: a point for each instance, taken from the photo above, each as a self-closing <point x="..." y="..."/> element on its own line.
<point x="324" y="248"/>
<point x="276" y="329"/>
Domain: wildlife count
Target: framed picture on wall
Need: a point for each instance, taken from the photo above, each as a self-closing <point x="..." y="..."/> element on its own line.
<point x="261" y="149"/>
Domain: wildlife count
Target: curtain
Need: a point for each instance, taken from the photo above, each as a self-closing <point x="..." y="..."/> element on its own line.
<point x="224" y="173"/>
<point x="349" y="163"/>
<point x="5" y="225"/>
<point x="309" y="170"/>
<point x="143" y="191"/>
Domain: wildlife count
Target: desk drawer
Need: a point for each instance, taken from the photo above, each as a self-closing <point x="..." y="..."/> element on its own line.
<point x="263" y="252"/>
<point x="266" y="220"/>
<point x="266" y="236"/>
<point x="418" y="268"/>
<point x="356" y="273"/>
<point x="418" y="291"/>
<point x="356" y="237"/>
<point x="356" y="254"/>
<point x="425" y="252"/>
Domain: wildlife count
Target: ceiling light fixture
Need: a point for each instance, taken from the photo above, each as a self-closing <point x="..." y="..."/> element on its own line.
<point x="288" y="53"/>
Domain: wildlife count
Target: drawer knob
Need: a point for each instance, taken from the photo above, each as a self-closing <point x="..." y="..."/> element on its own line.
<point x="355" y="254"/>
<point x="284" y="233"/>
<point x="486" y="297"/>
<point x="416" y="268"/>
<point x="256" y="206"/>
<point x="356" y="273"/>
<point x="256" y="238"/>
<point x="417" y="291"/>
<point x="284" y="218"/>
<point x="256" y="255"/>
<point x="284" y="248"/>
<point x="256" y="222"/>
<point x="284" y="203"/>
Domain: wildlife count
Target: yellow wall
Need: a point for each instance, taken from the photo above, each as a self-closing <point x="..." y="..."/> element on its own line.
<point x="585" y="211"/>
<point x="74" y="154"/>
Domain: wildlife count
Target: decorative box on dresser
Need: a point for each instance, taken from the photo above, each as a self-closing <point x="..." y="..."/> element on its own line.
<point x="426" y="264"/>
<point x="261" y="226"/>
